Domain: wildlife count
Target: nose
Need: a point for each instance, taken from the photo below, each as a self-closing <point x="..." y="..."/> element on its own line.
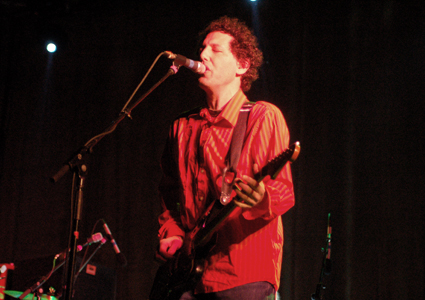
<point x="204" y="54"/>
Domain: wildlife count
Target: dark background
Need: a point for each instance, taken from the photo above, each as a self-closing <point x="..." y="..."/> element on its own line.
<point x="347" y="75"/>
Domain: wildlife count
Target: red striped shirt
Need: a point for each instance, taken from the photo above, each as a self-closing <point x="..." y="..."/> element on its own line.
<point x="250" y="244"/>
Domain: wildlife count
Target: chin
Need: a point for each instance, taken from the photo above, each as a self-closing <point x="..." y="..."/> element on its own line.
<point x="202" y="83"/>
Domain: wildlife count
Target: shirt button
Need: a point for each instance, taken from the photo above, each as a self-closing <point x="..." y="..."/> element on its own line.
<point x="201" y="198"/>
<point x="202" y="170"/>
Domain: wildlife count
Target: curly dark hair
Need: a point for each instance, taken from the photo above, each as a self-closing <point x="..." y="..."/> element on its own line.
<point x="244" y="46"/>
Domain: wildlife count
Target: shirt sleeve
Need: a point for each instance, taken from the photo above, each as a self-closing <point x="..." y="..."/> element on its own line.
<point x="169" y="187"/>
<point x="271" y="138"/>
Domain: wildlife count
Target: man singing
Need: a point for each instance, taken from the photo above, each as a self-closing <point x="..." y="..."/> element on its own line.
<point x="245" y="262"/>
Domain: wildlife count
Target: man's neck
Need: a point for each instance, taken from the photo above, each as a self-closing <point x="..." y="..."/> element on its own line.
<point x="219" y="99"/>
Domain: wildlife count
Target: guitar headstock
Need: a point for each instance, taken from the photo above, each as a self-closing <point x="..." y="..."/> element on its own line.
<point x="274" y="166"/>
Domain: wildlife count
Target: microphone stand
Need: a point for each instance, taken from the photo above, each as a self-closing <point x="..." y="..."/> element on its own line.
<point x="78" y="166"/>
<point x="40" y="282"/>
<point x="326" y="264"/>
<point x="43" y="279"/>
<point x="90" y="257"/>
<point x="84" y="264"/>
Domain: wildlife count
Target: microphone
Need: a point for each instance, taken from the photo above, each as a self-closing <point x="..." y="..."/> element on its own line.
<point x="120" y="256"/>
<point x="180" y="60"/>
<point x="95" y="238"/>
<point x="328" y="265"/>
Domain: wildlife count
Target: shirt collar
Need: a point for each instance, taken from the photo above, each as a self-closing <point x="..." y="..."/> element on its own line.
<point x="230" y="111"/>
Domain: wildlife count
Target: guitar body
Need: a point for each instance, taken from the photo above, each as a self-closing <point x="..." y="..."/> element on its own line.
<point x="183" y="272"/>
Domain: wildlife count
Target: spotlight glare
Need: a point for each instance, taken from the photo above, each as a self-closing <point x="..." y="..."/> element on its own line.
<point x="51" y="47"/>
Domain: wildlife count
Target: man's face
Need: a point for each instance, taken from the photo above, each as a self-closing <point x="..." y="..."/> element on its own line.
<point x="222" y="66"/>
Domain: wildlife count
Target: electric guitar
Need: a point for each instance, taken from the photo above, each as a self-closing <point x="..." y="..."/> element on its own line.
<point x="182" y="273"/>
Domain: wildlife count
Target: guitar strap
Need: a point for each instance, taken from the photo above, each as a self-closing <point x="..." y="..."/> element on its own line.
<point x="229" y="172"/>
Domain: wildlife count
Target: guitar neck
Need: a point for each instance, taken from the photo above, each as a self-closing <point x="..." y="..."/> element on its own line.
<point x="220" y="212"/>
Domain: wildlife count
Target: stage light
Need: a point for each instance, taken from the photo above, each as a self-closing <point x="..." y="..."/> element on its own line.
<point x="51" y="47"/>
<point x="51" y="36"/>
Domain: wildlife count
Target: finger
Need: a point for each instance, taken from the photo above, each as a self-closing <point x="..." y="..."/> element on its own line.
<point x="246" y="185"/>
<point x="254" y="184"/>
<point x="253" y="188"/>
<point x="172" y="249"/>
<point x="246" y="200"/>
<point x="242" y="205"/>
<point x="244" y="191"/>
<point x="165" y="249"/>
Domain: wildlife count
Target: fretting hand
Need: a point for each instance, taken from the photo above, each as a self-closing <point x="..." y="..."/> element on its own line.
<point x="250" y="192"/>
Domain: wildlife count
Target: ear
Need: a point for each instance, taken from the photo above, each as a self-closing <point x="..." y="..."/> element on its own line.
<point x="242" y="67"/>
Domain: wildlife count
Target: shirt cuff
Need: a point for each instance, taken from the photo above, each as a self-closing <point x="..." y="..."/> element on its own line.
<point x="171" y="231"/>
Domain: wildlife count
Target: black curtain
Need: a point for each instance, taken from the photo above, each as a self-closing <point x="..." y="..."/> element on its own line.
<point x="347" y="75"/>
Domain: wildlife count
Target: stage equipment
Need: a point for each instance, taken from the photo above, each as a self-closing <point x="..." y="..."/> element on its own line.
<point x="77" y="164"/>
<point x="120" y="256"/>
<point x="326" y="262"/>
<point x="51" y="36"/>
<point x="193" y="65"/>
<point x="16" y="294"/>
<point x="4" y="271"/>
<point x="95" y="281"/>
<point x="63" y="255"/>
